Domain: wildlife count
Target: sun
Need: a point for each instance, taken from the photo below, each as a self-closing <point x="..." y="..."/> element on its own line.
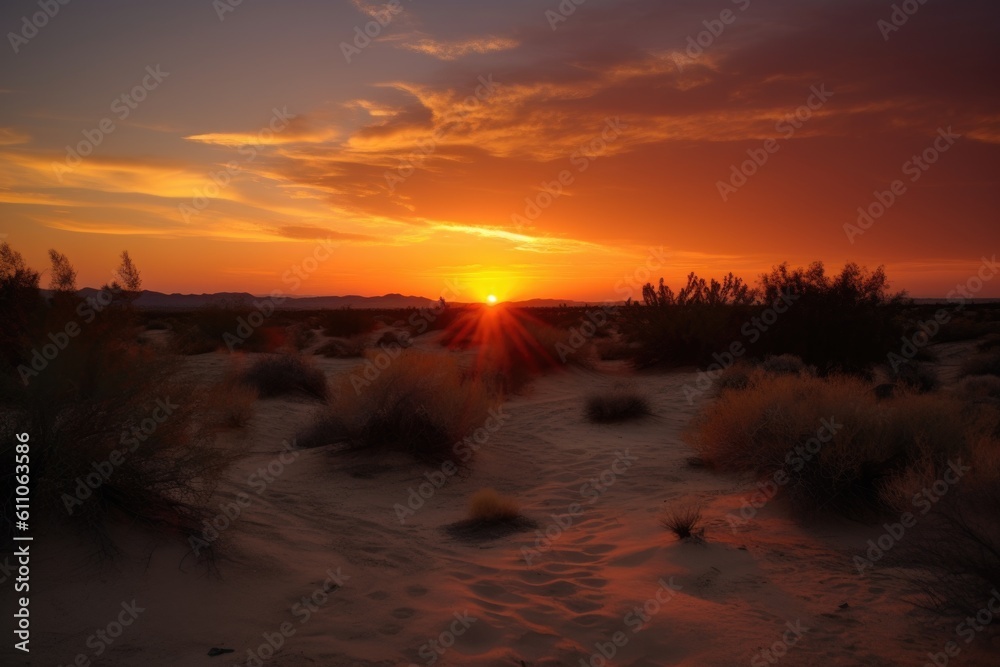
<point x="491" y="299"/>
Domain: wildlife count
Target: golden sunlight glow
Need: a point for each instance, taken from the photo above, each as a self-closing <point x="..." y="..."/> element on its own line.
<point x="491" y="299"/>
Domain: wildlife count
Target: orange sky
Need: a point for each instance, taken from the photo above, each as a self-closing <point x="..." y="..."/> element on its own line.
<point x="422" y="155"/>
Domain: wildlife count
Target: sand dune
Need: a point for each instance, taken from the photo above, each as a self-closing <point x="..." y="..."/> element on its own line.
<point x="382" y="591"/>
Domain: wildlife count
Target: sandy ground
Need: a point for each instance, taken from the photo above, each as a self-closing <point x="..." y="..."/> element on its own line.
<point x="386" y="592"/>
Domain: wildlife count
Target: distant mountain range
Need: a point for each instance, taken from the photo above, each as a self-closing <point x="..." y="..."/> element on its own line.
<point x="150" y="300"/>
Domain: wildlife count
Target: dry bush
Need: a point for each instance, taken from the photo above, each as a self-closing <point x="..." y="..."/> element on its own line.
<point x="916" y="376"/>
<point x="784" y="364"/>
<point x="421" y="403"/>
<point x="683" y="521"/>
<point x="211" y="327"/>
<point x="238" y="405"/>
<point x="621" y="403"/>
<point x="510" y="362"/>
<point x="132" y="444"/>
<point x="348" y="322"/>
<point x="344" y="348"/>
<point x="488" y="506"/>
<point x="288" y="373"/>
<point x="757" y="431"/>
<point x="953" y="552"/>
<point x="393" y="338"/>
<point x="740" y="375"/>
<point x="299" y="336"/>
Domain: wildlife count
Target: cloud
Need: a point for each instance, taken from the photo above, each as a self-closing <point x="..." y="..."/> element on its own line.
<point x="307" y="232"/>
<point x="456" y="49"/>
<point x="296" y="130"/>
<point x="10" y="136"/>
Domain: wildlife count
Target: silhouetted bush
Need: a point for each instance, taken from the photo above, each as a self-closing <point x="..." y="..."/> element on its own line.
<point x="348" y="322"/>
<point x="619" y="404"/>
<point x="784" y="364"/>
<point x="421" y="404"/>
<point x="770" y="428"/>
<point x="224" y="325"/>
<point x="344" y="348"/>
<point x="917" y="376"/>
<point x="288" y="373"/>
<point x="845" y="323"/>
<point x="114" y="433"/>
<point x="513" y="347"/>
<point x="393" y="338"/>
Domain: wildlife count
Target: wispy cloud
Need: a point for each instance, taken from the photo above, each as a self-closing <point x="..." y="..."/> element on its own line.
<point x="451" y="50"/>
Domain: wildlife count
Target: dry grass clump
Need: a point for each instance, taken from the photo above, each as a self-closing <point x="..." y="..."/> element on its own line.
<point x="740" y="375"/>
<point x="784" y="364"/>
<point x="488" y="506"/>
<point x="286" y="373"/>
<point x="299" y="336"/>
<point x="132" y="446"/>
<point x="238" y="405"/>
<point x="513" y="347"/>
<point x="916" y="376"/>
<point x="831" y="442"/>
<point x="420" y="403"/>
<point x="621" y="403"/>
<point x="683" y="521"/>
<point x="344" y="348"/>
<point x="953" y="552"/>
<point x="393" y="338"/>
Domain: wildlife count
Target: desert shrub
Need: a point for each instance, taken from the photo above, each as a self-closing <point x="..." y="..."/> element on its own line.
<point x="218" y="325"/>
<point x="619" y="404"/>
<point x="288" y="373"/>
<point x="740" y="375"/>
<point x="114" y="433"/>
<point x="344" y="348"/>
<point x="393" y="338"/>
<point x="348" y="322"/>
<point x="422" y="404"/>
<point x="237" y="404"/>
<point x="916" y="376"/>
<point x="844" y="322"/>
<point x="513" y="347"/>
<point x="784" y="364"/>
<point x="953" y="553"/>
<point x="488" y="506"/>
<point x="779" y="428"/>
<point x="299" y="336"/>
<point x="986" y="363"/>
<point x="683" y="521"/>
<point x="979" y="388"/>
